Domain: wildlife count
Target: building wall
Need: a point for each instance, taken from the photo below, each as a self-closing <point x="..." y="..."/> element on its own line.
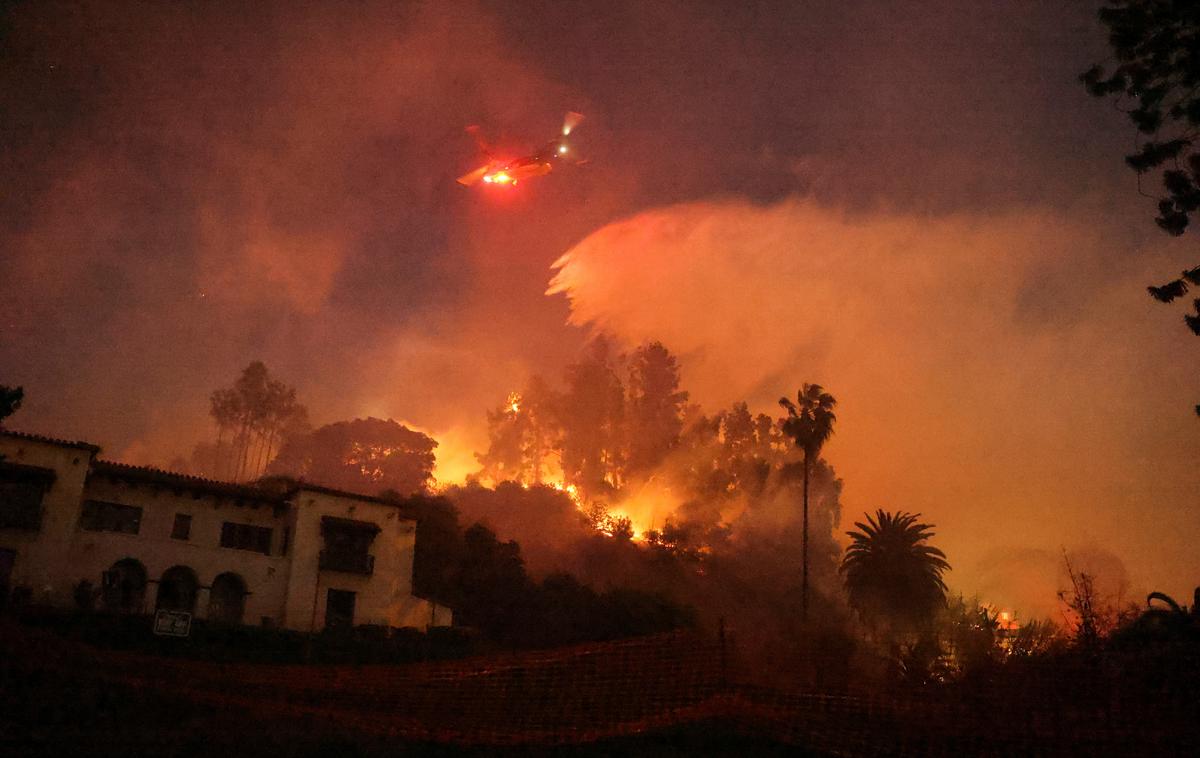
<point x="385" y="597"/>
<point x="285" y="587"/>
<point x="265" y="576"/>
<point x="40" y="554"/>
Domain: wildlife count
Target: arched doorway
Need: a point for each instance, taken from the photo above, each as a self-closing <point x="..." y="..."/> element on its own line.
<point x="177" y="590"/>
<point x="227" y="599"/>
<point x="123" y="586"/>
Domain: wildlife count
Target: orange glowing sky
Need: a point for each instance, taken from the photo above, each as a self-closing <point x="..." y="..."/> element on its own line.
<point x="966" y="389"/>
<point x="913" y="203"/>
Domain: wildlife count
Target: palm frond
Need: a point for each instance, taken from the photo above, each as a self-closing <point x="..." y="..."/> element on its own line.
<point x="810" y="418"/>
<point x="889" y="567"/>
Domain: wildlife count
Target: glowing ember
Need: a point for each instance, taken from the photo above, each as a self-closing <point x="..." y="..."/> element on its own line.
<point x="369" y="459"/>
<point x="1007" y="622"/>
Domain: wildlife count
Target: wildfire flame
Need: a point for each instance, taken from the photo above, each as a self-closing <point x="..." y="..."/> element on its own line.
<point x="1007" y="622"/>
<point x="368" y="459"/>
<point x="571" y="491"/>
<point x="607" y="520"/>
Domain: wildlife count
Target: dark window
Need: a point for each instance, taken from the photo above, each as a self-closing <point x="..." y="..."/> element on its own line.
<point x="348" y="563"/>
<point x="7" y="559"/>
<point x="177" y="590"/>
<point x="339" y="610"/>
<point x="110" y="517"/>
<point x="21" y="491"/>
<point x="227" y="599"/>
<point x="123" y="588"/>
<point x="21" y="505"/>
<point x="287" y="540"/>
<point x="246" y="537"/>
<point x="182" y="529"/>
<point x="347" y="545"/>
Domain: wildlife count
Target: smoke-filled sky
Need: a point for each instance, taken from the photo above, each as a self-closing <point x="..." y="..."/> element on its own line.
<point x="913" y="203"/>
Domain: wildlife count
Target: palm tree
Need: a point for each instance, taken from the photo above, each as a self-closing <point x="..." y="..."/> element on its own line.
<point x="891" y="572"/>
<point x="810" y="425"/>
<point x="10" y="400"/>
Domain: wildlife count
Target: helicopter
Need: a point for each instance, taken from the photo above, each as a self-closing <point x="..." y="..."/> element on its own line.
<point x="500" y="172"/>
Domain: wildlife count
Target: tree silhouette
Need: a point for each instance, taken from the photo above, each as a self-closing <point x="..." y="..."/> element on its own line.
<point x="438" y="549"/>
<point x="10" y="400"/>
<point x="891" y="573"/>
<point x="1157" y="79"/>
<point x="259" y="412"/>
<point x="504" y="459"/>
<point x="494" y="586"/>
<point x="810" y="425"/>
<point x="656" y="406"/>
<point x="522" y="434"/>
<point x="1167" y="622"/>
<point x="364" y="455"/>
<point x="592" y="415"/>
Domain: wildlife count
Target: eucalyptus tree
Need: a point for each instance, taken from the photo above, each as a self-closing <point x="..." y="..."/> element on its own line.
<point x="1154" y="76"/>
<point x="10" y="400"/>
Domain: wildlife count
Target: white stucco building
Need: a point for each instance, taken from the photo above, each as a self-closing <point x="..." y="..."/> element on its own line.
<point x="289" y="554"/>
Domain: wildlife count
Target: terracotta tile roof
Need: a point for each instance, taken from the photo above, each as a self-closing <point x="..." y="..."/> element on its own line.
<point x="275" y="490"/>
<point x="151" y="475"/>
<point x="300" y="484"/>
<point x="49" y="440"/>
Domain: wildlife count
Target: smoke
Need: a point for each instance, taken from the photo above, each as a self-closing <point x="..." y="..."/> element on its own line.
<point x="1003" y="374"/>
<point x="1029" y="580"/>
<point x="201" y="189"/>
<point x="196" y="188"/>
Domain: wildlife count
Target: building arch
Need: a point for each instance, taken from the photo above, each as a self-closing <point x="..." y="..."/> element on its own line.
<point x="123" y="587"/>
<point x="227" y="598"/>
<point x="177" y="590"/>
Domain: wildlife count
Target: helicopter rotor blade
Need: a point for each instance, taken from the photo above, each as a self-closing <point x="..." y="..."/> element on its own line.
<point x="570" y="122"/>
<point x="471" y="177"/>
<point x="477" y="134"/>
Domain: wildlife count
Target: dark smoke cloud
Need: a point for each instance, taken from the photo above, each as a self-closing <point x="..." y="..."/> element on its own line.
<point x="189" y="187"/>
<point x="199" y="187"/>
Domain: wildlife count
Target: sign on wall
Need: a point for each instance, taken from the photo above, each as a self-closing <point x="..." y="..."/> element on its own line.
<point x="173" y="623"/>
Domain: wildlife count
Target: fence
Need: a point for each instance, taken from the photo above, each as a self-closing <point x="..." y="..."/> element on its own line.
<point x="578" y="696"/>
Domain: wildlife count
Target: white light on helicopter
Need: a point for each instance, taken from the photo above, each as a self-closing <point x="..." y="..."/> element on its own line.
<point x="562" y="149"/>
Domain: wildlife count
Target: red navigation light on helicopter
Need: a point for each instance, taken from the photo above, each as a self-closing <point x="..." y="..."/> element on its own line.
<point x="540" y="163"/>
